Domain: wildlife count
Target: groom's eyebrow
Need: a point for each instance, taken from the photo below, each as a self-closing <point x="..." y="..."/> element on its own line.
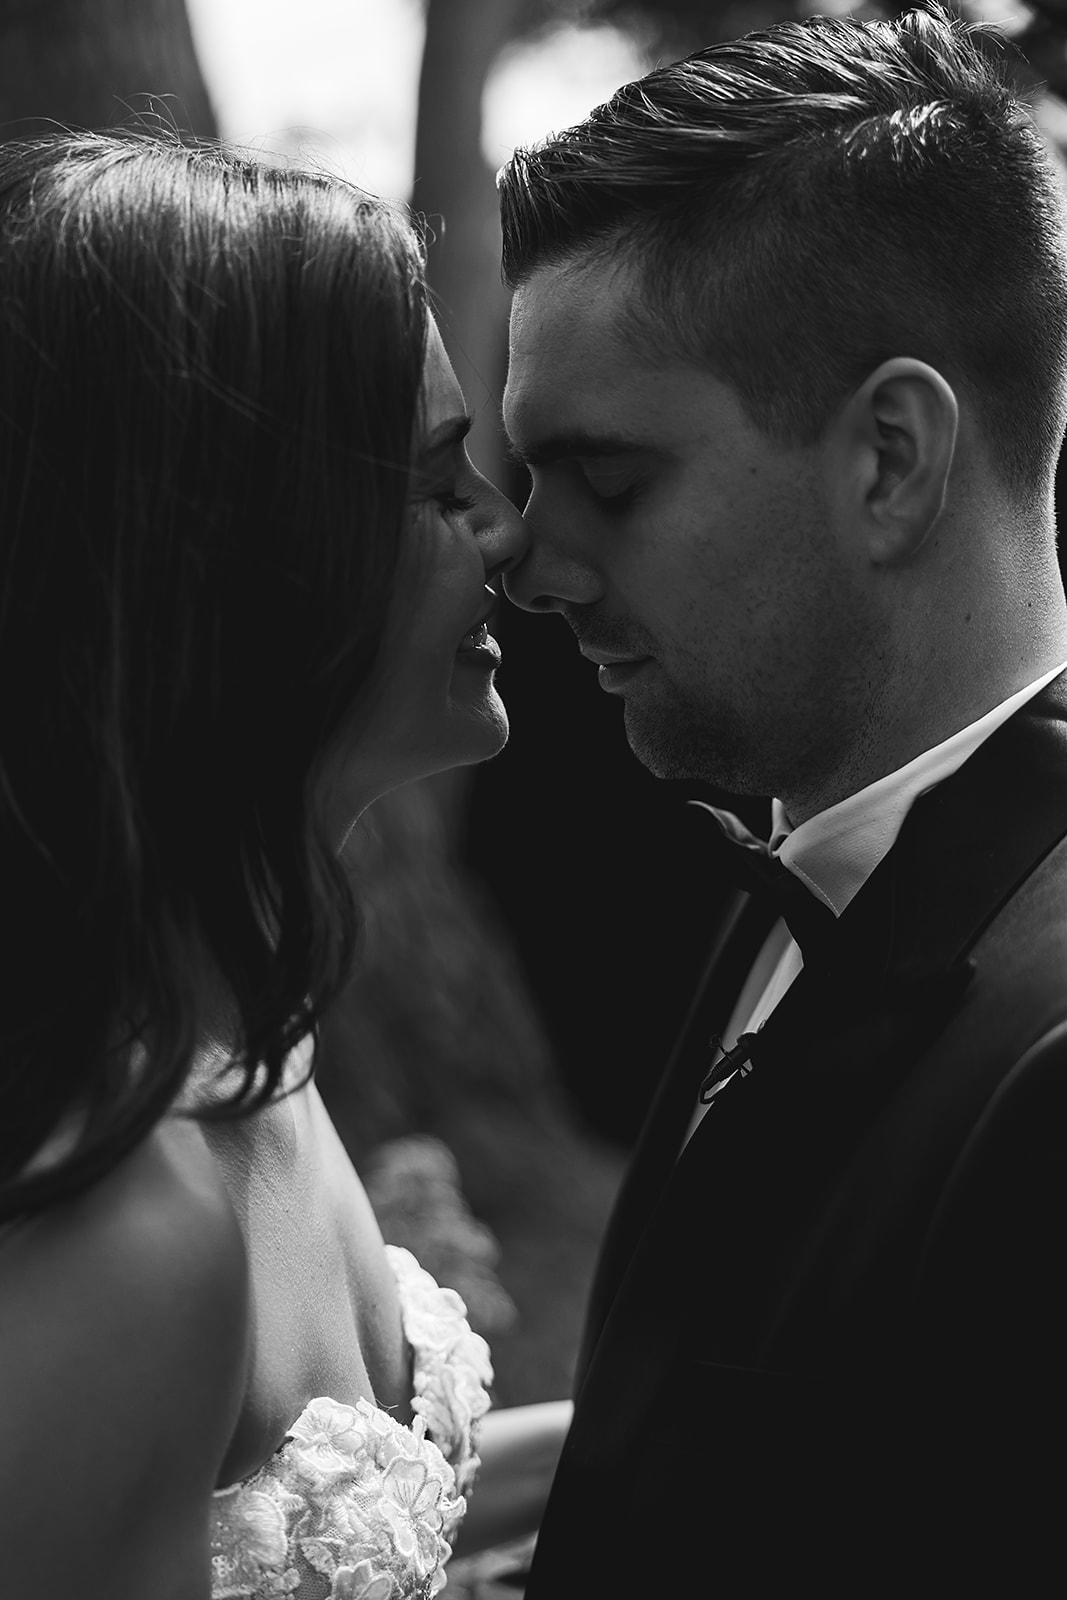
<point x="575" y="443"/>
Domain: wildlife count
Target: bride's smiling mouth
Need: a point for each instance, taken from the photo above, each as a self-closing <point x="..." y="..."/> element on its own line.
<point x="478" y="646"/>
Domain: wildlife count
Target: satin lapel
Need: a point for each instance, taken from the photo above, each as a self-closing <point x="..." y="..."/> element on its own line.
<point x="964" y="849"/>
<point x="704" y="1272"/>
<point x="689" y="1286"/>
<point x="742" y="929"/>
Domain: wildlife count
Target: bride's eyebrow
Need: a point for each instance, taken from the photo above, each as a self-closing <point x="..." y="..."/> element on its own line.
<point x="562" y="446"/>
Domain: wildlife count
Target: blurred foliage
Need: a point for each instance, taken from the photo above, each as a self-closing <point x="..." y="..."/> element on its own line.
<point x="667" y="29"/>
<point x="415" y="1187"/>
<point x="664" y="30"/>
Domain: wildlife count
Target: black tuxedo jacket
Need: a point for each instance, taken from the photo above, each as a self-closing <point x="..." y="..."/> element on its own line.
<point x="825" y="1345"/>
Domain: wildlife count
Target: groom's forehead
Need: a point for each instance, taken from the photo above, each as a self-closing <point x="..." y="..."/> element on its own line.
<point x="567" y="344"/>
<point x="581" y="298"/>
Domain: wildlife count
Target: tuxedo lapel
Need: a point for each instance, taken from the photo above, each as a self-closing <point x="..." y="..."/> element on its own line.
<point x="706" y="1266"/>
<point x="967" y="846"/>
<point x="743" y="927"/>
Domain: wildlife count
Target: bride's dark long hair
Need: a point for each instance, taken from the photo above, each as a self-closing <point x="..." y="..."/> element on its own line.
<point x="209" y="377"/>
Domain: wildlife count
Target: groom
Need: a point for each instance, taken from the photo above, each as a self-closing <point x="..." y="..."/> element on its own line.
<point x="788" y="370"/>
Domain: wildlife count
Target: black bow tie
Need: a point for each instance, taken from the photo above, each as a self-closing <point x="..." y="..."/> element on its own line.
<point x="747" y="863"/>
<point x="856" y="969"/>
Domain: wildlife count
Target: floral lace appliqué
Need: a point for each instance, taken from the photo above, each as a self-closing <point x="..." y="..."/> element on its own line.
<point x="355" y="1506"/>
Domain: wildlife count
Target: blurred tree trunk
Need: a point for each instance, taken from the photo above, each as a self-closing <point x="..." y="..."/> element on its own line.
<point x="88" y="63"/>
<point x="454" y="187"/>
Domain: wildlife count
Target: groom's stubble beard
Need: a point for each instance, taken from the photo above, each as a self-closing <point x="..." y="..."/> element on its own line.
<point x="674" y="732"/>
<point x="676" y="737"/>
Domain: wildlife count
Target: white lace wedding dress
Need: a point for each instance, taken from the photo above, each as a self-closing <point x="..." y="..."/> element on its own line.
<point x="354" y="1505"/>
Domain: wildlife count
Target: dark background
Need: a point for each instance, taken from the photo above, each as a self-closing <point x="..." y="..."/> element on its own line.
<point x="598" y="871"/>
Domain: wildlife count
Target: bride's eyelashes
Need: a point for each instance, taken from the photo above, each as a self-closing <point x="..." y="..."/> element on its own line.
<point x="444" y="498"/>
<point x="452" y="503"/>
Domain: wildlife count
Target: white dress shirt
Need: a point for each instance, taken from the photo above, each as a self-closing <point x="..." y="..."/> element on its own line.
<point x="834" y="852"/>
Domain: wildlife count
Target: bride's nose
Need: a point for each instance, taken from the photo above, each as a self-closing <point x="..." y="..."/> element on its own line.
<point x="502" y="535"/>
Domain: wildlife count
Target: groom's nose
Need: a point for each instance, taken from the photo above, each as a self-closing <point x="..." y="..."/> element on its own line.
<point x="550" y="576"/>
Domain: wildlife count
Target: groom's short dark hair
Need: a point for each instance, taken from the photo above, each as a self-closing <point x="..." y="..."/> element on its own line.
<point x="811" y="200"/>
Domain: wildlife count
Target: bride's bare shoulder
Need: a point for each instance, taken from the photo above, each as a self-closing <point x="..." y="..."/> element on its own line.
<point x="123" y="1351"/>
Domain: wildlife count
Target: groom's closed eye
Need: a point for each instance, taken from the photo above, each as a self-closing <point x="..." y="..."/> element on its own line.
<point x="614" y="483"/>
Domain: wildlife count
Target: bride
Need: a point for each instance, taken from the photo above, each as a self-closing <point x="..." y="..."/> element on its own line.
<point x="244" y="591"/>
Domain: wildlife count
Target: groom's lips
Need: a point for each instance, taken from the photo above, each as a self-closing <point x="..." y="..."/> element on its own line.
<point x="613" y="675"/>
<point x="614" y="670"/>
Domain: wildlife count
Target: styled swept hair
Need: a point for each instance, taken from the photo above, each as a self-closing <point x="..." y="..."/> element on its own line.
<point x="209" y="379"/>
<point x="811" y="200"/>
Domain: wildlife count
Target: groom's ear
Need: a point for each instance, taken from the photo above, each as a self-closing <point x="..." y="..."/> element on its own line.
<point x="892" y="445"/>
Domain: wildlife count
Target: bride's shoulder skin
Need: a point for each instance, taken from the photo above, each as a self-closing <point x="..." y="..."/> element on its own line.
<point x="327" y="1316"/>
<point x="124" y="1331"/>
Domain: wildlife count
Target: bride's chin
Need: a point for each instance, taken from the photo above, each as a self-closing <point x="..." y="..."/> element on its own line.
<point x="484" y="736"/>
<point x="471" y="735"/>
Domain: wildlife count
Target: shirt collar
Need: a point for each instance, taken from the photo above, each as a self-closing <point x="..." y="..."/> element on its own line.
<point x="835" y="852"/>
